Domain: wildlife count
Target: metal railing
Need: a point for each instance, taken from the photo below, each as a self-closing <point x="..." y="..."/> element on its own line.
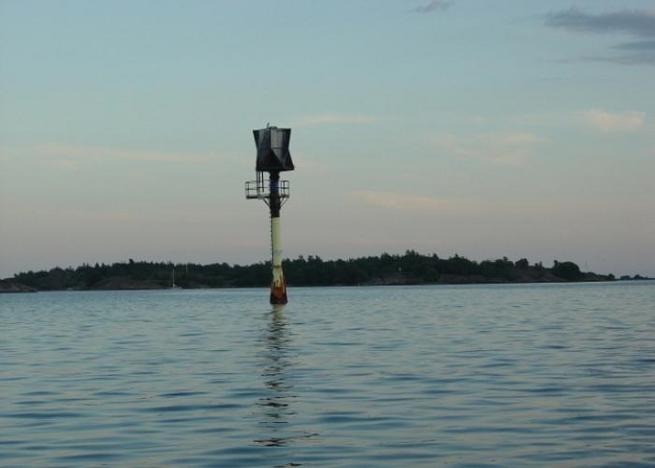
<point x="260" y="189"/>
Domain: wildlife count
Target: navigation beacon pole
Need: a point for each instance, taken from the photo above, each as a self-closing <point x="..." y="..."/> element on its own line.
<point x="273" y="157"/>
<point x="278" y="285"/>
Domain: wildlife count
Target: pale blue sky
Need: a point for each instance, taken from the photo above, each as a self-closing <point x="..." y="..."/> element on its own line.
<point x="488" y="128"/>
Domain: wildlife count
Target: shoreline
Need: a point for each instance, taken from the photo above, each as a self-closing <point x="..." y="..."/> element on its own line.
<point x="410" y="268"/>
<point x="19" y="288"/>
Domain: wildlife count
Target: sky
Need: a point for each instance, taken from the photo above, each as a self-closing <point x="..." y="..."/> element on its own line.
<point x="486" y="128"/>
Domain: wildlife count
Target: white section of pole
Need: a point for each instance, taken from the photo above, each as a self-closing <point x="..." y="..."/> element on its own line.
<point x="276" y="247"/>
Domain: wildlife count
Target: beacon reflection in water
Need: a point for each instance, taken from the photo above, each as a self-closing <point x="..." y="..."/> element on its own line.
<point x="276" y="407"/>
<point x="276" y="410"/>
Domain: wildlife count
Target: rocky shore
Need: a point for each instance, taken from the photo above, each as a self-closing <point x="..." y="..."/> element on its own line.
<point x="9" y="286"/>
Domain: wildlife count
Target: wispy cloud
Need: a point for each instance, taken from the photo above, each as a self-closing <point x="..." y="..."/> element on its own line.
<point x="70" y="152"/>
<point x="433" y="5"/>
<point x="400" y="201"/>
<point x="639" y="23"/>
<point x="510" y="148"/>
<point x="614" y="122"/>
<point x="416" y="203"/>
<point x="632" y="53"/>
<point x="637" y="46"/>
<point x="334" y="119"/>
<point x="636" y="23"/>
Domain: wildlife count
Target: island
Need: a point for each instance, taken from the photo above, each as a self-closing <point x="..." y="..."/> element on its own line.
<point x="410" y="268"/>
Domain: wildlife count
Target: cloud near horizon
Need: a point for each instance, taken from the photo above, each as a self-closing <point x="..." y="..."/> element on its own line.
<point x="452" y="206"/>
<point x="614" y="122"/>
<point x="508" y="148"/>
<point x="636" y="23"/>
<point x="400" y="201"/>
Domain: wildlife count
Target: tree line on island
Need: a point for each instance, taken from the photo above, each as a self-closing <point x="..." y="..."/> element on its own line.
<point x="386" y="269"/>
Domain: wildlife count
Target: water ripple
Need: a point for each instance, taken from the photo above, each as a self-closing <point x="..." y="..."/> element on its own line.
<point x="404" y="376"/>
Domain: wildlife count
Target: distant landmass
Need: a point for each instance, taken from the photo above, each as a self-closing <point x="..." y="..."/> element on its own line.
<point x="408" y="268"/>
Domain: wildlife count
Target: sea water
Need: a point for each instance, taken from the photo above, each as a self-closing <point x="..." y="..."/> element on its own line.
<point x="506" y="375"/>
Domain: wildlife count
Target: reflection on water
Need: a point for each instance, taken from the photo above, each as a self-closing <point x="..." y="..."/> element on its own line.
<point x="276" y="406"/>
<point x="277" y="413"/>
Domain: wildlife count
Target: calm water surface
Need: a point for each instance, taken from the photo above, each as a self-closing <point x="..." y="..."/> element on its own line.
<point x="420" y="376"/>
